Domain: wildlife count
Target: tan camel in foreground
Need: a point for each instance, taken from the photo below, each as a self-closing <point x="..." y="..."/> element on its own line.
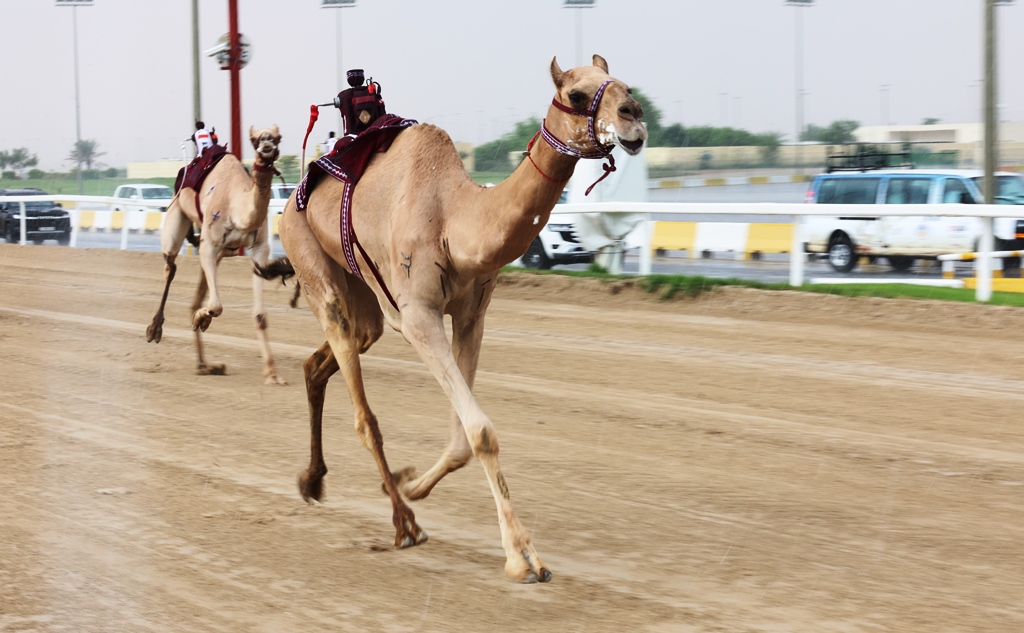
<point x="438" y="241"/>
<point x="232" y="211"/>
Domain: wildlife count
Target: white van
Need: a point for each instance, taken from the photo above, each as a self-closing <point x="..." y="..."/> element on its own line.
<point x="902" y="240"/>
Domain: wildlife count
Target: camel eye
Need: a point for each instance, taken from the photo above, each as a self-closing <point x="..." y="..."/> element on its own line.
<point x="578" y="99"/>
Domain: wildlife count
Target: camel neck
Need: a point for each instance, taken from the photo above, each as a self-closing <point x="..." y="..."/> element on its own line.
<point x="262" y="175"/>
<point x="517" y="209"/>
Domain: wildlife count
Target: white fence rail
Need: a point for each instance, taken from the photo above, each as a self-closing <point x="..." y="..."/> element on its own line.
<point x="654" y="212"/>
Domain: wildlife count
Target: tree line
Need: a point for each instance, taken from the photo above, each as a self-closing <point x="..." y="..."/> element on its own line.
<point x="494" y="156"/>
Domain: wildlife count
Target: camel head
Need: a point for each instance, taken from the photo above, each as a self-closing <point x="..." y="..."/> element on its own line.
<point x="618" y="120"/>
<point x="265" y="141"/>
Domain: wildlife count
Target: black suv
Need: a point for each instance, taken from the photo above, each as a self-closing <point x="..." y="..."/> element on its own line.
<point x="44" y="220"/>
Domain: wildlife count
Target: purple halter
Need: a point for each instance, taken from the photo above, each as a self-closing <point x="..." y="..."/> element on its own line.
<point x="602" y="151"/>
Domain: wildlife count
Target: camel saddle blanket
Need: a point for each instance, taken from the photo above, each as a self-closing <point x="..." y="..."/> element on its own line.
<point x="192" y="176"/>
<point x="347" y="163"/>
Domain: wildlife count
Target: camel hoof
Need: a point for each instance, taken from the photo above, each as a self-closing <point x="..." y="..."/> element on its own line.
<point x="274" y="379"/>
<point x="311" y="487"/>
<point x="528" y="569"/>
<point x="211" y="370"/>
<point x="545" y="576"/>
<point x="408" y="541"/>
<point x="202" y="319"/>
<point x="154" y="333"/>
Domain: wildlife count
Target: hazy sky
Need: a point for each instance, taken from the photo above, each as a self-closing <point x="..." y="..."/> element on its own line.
<point x="476" y="66"/>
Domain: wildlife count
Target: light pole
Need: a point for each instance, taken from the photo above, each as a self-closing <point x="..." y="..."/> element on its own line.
<point x="74" y="4"/>
<point x="991" y="122"/>
<point x="338" y="4"/>
<point x="799" y="4"/>
<point x="884" y="91"/>
<point x="196" y="100"/>
<point x="579" y="4"/>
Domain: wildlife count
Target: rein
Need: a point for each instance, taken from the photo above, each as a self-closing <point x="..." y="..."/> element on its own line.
<point x="601" y="151"/>
<point x="264" y="168"/>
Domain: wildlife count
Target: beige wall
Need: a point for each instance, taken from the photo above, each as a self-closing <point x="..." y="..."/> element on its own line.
<point x="157" y="169"/>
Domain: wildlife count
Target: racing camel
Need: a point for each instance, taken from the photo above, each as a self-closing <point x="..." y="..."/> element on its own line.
<point x="231" y="207"/>
<point x="434" y="242"/>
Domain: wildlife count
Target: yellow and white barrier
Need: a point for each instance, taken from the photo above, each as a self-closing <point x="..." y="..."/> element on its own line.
<point x="745" y="240"/>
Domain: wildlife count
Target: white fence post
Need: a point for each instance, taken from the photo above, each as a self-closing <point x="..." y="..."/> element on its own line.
<point x="645" y="246"/>
<point x="23" y="224"/>
<point x="984" y="262"/>
<point x="796" y="253"/>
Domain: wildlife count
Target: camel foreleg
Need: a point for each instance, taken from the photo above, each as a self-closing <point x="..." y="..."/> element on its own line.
<point x="467" y="336"/>
<point x="209" y="257"/>
<point x="423" y="327"/>
<point x="202" y="367"/>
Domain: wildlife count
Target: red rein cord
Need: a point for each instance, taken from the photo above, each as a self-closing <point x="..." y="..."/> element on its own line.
<point x="540" y="171"/>
<point x="314" y="114"/>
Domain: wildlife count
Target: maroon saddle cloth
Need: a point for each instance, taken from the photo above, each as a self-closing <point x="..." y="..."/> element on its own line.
<point x="193" y="175"/>
<point x="351" y="155"/>
<point x="347" y="163"/>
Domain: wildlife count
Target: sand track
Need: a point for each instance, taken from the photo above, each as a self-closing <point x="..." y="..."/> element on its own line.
<point x="746" y="461"/>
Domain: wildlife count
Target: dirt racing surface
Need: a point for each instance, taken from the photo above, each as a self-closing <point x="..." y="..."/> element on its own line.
<point x="745" y="461"/>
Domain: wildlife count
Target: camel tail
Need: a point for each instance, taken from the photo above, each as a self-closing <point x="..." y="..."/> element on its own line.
<point x="192" y="238"/>
<point x="279" y="268"/>
<point x="275" y="268"/>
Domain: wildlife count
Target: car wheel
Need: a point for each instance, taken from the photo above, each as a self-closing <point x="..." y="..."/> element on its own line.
<point x="65" y="239"/>
<point x="900" y="263"/>
<point x="535" y="257"/>
<point x="841" y="256"/>
<point x="37" y="240"/>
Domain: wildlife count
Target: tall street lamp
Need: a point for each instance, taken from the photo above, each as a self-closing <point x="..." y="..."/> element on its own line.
<point x="579" y="4"/>
<point x="991" y="122"/>
<point x="884" y="90"/>
<point x="339" y="4"/>
<point x="74" y="4"/>
<point x="799" y="4"/>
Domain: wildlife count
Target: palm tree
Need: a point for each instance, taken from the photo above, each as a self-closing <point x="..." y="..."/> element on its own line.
<point x="84" y="151"/>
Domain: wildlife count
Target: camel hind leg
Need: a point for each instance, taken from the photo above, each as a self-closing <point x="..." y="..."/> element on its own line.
<point x="175" y="230"/>
<point x="318" y="369"/>
<point x="352" y="321"/>
<point x="259" y="253"/>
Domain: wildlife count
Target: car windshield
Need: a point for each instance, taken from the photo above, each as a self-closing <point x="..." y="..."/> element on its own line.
<point x="38" y="206"/>
<point x="156" y="193"/>
<point x="1008" y="188"/>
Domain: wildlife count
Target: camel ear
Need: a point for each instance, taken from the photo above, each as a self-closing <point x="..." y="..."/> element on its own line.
<point x="556" y="73"/>
<point x="277" y="132"/>
<point x="600" y="63"/>
<point x="252" y="132"/>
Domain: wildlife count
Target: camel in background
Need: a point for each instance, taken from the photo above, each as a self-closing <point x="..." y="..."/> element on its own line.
<point x="435" y="241"/>
<point x="231" y="207"/>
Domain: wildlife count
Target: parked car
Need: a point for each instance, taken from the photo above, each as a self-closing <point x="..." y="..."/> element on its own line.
<point x="904" y="239"/>
<point x="557" y="243"/>
<point x="126" y="194"/>
<point x="44" y="220"/>
<point x="281" y="191"/>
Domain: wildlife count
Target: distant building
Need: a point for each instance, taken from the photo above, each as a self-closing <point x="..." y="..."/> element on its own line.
<point x="960" y="133"/>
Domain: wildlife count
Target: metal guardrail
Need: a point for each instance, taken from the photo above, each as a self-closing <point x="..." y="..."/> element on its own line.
<point x="986" y="212"/>
<point x="798" y="211"/>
